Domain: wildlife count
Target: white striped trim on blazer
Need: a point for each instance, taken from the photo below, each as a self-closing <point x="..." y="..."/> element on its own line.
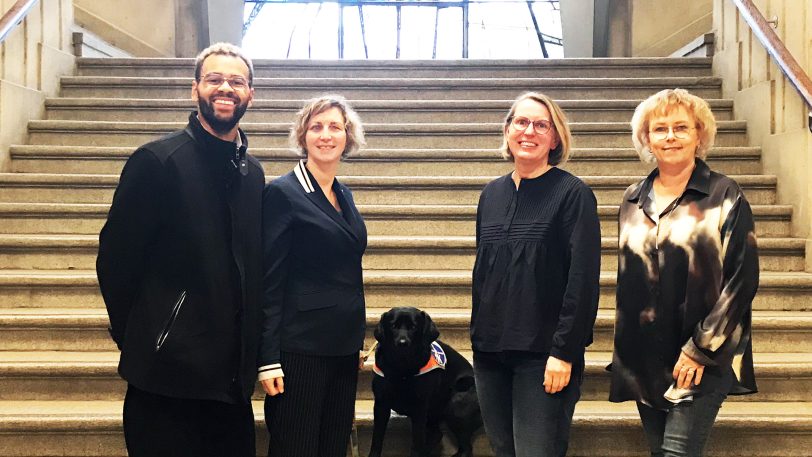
<point x="304" y="179"/>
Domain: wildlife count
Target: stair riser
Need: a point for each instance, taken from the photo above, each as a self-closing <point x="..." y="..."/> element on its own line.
<point x="377" y="296"/>
<point x="459" y="92"/>
<point x="595" y="387"/>
<point x="160" y="114"/>
<point x="376" y="225"/>
<point x="96" y="338"/>
<point x="451" y="167"/>
<point x="588" y="439"/>
<point x="279" y="139"/>
<point x="406" y="258"/>
<point x="328" y="71"/>
<point x="622" y="437"/>
<point x="363" y="195"/>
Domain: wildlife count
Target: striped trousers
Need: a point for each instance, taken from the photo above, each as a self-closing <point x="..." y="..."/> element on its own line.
<point x="313" y="418"/>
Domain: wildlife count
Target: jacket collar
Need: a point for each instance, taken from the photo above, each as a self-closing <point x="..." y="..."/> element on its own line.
<point x="317" y="197"/>
<point x="234" y="151"/>
<point x="698" y="182"/>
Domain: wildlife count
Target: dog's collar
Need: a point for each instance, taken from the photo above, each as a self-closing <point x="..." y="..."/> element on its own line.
<point x="436" y="361"/>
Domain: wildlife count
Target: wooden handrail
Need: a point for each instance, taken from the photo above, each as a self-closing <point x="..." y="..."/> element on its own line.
<point x="777" y="50"/>
<point x="13" y="16"/>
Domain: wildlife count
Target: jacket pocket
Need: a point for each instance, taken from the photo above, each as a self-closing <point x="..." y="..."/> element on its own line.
<point x="170" y="321"/>
<point x="323" y="299"/>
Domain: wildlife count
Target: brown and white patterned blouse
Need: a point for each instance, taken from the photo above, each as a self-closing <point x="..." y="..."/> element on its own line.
<point x="686" y="280"/>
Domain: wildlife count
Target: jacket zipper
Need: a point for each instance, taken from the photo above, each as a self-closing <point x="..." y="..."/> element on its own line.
<point x="173" y="316"/>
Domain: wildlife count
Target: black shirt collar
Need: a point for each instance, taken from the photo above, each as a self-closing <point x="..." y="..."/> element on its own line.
<point x="699" y="182"/>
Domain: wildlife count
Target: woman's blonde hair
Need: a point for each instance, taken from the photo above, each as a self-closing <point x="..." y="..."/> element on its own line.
<point x="316" y="106"/>
<point x="561" y="152"/>
<point x="661" y="104"/>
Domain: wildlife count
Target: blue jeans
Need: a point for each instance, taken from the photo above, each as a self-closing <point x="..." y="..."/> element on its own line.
<point x="683" y="430"/>
<point x="521" y="419"/>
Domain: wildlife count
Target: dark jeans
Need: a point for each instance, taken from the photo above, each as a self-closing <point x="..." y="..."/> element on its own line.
<point x="159" y="426"/>
<point x="683" y="430"/>
<point x="521" y="419"/>
<point x="313" y="417"/>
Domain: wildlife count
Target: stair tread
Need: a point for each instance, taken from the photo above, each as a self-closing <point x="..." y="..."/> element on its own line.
<point x="45" y="358"/>
<point x="92" y="410"/>
<point x="375" y="241"/>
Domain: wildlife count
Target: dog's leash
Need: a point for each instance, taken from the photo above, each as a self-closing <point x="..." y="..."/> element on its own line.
<point x="354" y="432"/>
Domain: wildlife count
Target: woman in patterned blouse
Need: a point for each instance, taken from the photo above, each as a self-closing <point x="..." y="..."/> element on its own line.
<point x="687" y="274"/>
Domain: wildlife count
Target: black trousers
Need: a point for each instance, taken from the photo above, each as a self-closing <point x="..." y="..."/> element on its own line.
<point x="159" y="426"/>
<point x="313" y="418"/>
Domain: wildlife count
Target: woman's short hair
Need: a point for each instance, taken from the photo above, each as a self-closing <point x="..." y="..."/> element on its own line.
<point x="316" y="106"/>
<point x="561" y="152"/>
<point x="661" y="104"/>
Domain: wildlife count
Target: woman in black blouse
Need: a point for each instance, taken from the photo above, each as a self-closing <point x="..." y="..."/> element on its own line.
<point x="687" y="274"/>
<point x="535" y="286"/>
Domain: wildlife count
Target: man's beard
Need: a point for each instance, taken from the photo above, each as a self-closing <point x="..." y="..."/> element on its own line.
<point x="221" y="126"/>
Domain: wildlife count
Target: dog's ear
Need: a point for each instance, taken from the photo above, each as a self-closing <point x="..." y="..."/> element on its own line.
<point x="380" y="330"/>
<point x="464" y="383"/>
<point x="430" y="332"/>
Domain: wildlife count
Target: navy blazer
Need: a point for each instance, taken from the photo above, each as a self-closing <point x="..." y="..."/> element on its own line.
<point x="313" y="283"/>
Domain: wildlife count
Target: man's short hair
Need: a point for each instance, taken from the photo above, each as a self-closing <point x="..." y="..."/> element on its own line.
<point x="224" y="49"/>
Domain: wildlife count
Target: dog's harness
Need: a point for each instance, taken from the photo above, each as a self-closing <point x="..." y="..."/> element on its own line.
<point x="437" y="360"/>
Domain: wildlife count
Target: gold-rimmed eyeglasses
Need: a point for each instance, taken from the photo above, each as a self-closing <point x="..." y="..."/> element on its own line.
<point x="216" y="80"/>
<point x="540" y="126"/>
<point x="660" y="132"/>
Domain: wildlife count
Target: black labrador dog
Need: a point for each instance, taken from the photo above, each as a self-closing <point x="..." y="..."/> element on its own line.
<point x="424" y="379"/>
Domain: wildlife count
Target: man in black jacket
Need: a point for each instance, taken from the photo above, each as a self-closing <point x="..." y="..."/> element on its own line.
<point x="179" y="268"/>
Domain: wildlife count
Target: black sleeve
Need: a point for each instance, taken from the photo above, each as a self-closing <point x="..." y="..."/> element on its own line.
<point x="277" y="236"/>
<point x="717" y="336"/>
<point x="132" y="222"/>
<point x="581" y="229"/>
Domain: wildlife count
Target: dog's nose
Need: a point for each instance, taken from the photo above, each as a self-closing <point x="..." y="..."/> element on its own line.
<point x="402" y="342"/>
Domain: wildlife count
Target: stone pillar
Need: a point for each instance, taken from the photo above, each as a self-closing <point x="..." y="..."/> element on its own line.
<point x="577" y="19"/>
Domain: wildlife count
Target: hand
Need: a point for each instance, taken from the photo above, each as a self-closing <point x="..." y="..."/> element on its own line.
<point x="274" y="386"/>
<point x="556" y="375"/>
<point x="687" y="370"/>
<point x="361" y="360"/>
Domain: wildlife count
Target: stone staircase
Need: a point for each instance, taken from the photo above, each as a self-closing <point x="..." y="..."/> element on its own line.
<point x="432" y="130"/>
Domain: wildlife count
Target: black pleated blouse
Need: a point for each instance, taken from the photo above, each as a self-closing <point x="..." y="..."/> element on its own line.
<point x="536" y="277"/>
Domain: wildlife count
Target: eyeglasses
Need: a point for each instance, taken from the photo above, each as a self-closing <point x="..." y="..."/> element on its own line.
<point x="540" y="126"/>
<point x="332" y="128"/>
<point x="659" y="133"/>
<point x="217" y="80"/>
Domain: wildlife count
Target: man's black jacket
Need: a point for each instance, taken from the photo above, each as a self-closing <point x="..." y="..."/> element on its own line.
<point x="179" y="266"/>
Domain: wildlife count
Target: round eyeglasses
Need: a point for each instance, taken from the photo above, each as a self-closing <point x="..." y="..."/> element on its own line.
<point x="660" y="132"/>
<point x="216" y="80"/>
<point x="540" y="126"/>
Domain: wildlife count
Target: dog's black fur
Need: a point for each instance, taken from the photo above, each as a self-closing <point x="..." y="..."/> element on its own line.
<point x="442" y="395"/>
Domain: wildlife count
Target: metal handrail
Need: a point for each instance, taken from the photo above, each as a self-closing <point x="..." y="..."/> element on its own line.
<point x="14" y="16"/>
<point x="777" y="50"/>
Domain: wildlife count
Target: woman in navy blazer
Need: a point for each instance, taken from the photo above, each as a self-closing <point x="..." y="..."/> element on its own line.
<point x="313" y="311"/>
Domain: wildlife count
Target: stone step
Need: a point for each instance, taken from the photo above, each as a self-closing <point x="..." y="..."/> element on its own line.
<point x="469" y="68"/>
<point x="69" y="329"/>
<point x="418" y="220"/>
<point x="78" y="289"/>
<point x="367" y="190"/>
<point x="67" y="375"/>
<point x="378" y="136"/>
<point x="398" y="88"/>
<point x="600" y="428"/>
<point x="382" y="162"/>
<point x="372" y="111"/>
<point x="384" y="252"/>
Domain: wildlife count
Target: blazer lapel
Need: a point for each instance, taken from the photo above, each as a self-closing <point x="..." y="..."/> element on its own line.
<point x="317" y="197"/>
